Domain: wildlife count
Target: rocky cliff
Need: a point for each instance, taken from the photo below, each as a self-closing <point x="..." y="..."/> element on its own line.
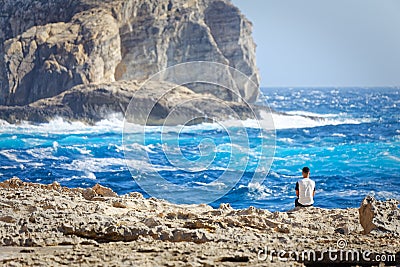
<point x="49" y="47"/>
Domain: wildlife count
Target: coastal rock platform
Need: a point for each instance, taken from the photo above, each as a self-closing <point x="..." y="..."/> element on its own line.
<point x="51" y="225"/>
<point x="156" y="103"/>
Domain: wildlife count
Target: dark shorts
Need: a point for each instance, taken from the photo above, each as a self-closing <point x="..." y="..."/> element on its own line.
<point x="298" y="204"/>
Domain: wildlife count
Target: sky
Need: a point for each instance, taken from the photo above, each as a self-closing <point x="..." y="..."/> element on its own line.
<point x="326" y="42"/>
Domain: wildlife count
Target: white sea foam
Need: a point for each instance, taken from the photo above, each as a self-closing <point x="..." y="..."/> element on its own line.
<point x="8" y="167"/>
<point x="36" y="164"/>
<point x="4" y="123"/>
<point x="144" y="166"/>
<point x="301" y="120"/>
<point x="91" y="165"/>
<point x="286" y="140"/>
<point x="218" y="185"/>
<point x="60" y="126"/>
<point x="11" y="155"/>
<point x="136" y="147"/>
<point x="257" y="191"/>
<point x="395" y="158"/>
<point x="274" y="174"/>
<point x="55" y="145"/>
<point x="311" y="114"/>
<point x="338" y="135"/>
<point x="44" y="153"/>
<point x="229" y="147"/>
<point x="115" y="124"/>
<point x="387" y="195"/>
<point x="90" y="175"/>
<point x="83" y="150"/>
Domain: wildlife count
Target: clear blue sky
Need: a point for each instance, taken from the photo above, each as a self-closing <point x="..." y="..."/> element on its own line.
<point x="326" y="42"/>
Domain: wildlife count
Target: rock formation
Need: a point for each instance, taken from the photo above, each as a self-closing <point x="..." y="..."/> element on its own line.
<point x="93" y="102"/>
<point x="47" y="48"/>
<point x="47" y="60"/>
<point x="379" y="215"/>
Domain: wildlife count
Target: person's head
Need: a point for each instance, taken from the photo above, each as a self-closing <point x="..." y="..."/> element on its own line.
<point x="306" y="172"/>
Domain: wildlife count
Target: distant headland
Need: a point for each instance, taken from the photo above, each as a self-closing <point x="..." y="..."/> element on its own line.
<point x="81" y="59"/>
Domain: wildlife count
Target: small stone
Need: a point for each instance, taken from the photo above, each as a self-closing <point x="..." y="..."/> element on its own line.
<point x="119" y="204"/>
<point x="54" y="186"/>
<point x="283" y="229"/>
<point x="27" y="250"/>
<point x="98" y="199"/>
<point x="225" y="207"/>
<point x="342" y="230"/>
<point x="8" y="219"/>
<point x="151" y="222"/>
<point x="88" y="193"/>
<point x="136" y="195"/>
<point x="235" y="259"/>
<point x="104" y="191"/>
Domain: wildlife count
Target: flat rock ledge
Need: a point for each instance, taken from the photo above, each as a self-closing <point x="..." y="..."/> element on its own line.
<point x="51" y="225"/>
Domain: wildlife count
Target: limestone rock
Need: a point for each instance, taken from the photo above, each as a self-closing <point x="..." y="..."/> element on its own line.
<point x="47" y="60"/>
<point x="94" y="102"/>
<point x="225" y="207"/>
<point x="104" y="191"/>
<point x="14" y="182"/>
<point x="88" y="194"/>
<point x="384" y="216"/>
<point x="7" y="219"/>
<point x="63" y="229"/>
<point x="48" y="47"/>
<point x="119" y="204"/>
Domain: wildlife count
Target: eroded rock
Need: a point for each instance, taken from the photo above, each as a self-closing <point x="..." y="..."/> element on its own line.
<point x="49" y="47"/>
<point x="379" y="215"/>
<point x="104" y="191"/>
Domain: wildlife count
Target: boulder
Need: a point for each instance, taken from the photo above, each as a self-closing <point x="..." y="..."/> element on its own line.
<point x="88" y="193"/>
<point x="379" y="215"/>
<point x="104" y="191"/>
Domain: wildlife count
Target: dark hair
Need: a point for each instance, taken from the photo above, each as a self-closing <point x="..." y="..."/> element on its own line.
<point x="306" y="170"/>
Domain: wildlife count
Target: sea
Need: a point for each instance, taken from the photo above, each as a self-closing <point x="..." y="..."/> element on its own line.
<point x="348" y="137"/>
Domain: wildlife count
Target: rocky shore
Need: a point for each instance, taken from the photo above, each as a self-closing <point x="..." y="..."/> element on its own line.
<point x="50" y="225"/>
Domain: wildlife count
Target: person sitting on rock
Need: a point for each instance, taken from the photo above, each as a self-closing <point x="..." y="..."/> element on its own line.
<point x="305" y="190"/>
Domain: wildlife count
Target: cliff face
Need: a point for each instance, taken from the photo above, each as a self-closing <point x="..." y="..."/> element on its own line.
<point x="47" y="60"/>
<point x="49" y="47"/>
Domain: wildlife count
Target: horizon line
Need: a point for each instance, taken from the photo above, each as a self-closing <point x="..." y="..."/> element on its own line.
<point x="331" y="86"/>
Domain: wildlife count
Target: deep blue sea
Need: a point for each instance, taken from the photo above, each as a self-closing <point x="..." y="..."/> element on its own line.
<point x="349" y="137"/>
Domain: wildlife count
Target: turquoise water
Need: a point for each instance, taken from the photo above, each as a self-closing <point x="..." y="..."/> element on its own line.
<point x="350" y="142"/>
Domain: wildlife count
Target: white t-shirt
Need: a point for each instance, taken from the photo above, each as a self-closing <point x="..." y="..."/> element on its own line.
<point x="306" y="188"/>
